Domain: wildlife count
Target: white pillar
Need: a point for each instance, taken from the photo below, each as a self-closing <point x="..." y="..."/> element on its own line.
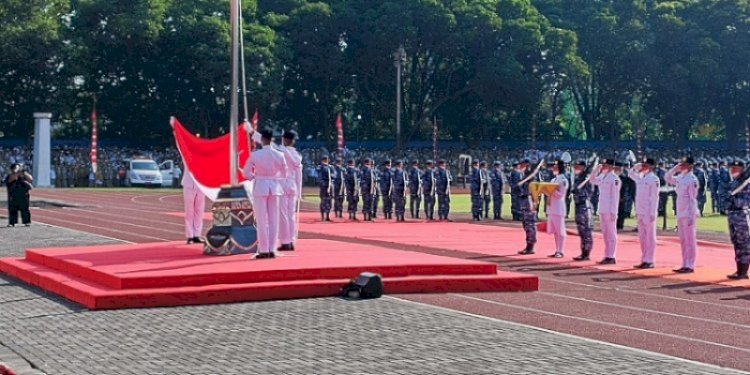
<point x="42" y="149"/>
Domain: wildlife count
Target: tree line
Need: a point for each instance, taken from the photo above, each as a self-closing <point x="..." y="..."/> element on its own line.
<point x="483" y="69"/>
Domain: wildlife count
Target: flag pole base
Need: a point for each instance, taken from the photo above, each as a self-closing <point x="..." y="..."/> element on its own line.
<point x="233" y="230"/>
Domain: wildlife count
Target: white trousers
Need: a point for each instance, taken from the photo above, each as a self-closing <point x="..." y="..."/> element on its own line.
<point x="688" y="241"/>
<point x="195" y="204"/>
<point x="556" y="226"/>
<point x="266" y="210"/>
<point x="288" y="218"/>
<point x="609" y="232"/>
<point x="647" y="236"/>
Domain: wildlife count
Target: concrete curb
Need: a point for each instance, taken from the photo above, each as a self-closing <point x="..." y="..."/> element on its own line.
<point x="16" y="363"/>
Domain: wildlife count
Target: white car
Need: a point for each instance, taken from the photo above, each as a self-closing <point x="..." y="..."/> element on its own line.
<point x="144" y="172"/>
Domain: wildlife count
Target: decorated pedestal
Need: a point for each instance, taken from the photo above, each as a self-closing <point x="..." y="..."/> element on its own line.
<point x="233" y="231"/>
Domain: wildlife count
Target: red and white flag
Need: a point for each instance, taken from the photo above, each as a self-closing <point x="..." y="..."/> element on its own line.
<point x="254" y="125"/>
<point x="94" y="139"/>
<point x="340" y="132"/>
<point x="434" y="138"/>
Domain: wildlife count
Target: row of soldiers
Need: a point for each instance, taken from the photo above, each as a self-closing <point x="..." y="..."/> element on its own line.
<point x="389" y="183"/>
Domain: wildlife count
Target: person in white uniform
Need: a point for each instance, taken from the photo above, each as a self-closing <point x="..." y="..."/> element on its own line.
<point x="268" y="169"/>
<point x="557" y="209"/>
<point x="646" y="208"/>
<point x="195" y="204"/>
<point x="292" y="191"/>
<point x="609" y="200"/>
<point x="686" y="187"/>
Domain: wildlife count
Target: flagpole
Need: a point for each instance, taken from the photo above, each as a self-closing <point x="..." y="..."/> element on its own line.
<point x="233" y="112"/>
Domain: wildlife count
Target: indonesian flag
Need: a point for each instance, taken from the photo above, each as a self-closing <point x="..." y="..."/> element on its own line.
<point x="340" y="132"/>
<point x="207" y="160"/>
<point x="254" y="124"/>
<point x="94" y="140"/>
<point x="434" y="139"/>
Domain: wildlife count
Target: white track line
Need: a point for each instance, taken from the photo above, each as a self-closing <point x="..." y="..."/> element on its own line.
<point x="115" y="223"/>
<point x="104" y="228"/>
<point x="140" y="219"/>
<point x="594" y="321"/>
<point x="89" y="233"/>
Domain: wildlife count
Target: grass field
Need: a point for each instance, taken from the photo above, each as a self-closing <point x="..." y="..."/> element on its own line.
<point x="461" y="203"/>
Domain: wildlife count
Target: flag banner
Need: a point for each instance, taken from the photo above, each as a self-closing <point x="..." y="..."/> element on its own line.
<point x="340" y="133"/>
<point x="207" y="160"/>
<point x="254" y="124"/>
<point x="94" y="140"/>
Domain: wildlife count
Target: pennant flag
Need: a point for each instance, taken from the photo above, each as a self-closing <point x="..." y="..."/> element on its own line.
<point x="207" y="160"/>
<point x="340" y="131"/>
<point x="254" y="124"/>
<point x="94" y="139"/>
<point x="434" y="138"/>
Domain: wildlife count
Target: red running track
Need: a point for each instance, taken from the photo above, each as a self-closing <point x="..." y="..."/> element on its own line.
<point x="700" y="317"/>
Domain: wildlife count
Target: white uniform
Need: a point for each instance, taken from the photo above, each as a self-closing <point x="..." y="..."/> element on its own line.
<point x="609" y="201"/>
<point x="556" y="211"/>
<point x="195" y="204"/>
<point x="686" y="186"/>
<point x="646" y="209"/>
<point x="267" y="168"/>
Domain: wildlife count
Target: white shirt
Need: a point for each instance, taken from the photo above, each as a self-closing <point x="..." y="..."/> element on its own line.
<point x="557" y="204"/>
<point x="609" y="192"/>
<point x="646" y="193"/>
<point x="292" y="185"/>
<point x="267" y="167"/>
<point x="686" y="187"/>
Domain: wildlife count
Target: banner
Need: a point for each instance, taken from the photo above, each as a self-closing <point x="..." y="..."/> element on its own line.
<point x="254" y="124"/>
<point x="94" y="139"/>
<point x="207" y="160"/>
<point x="340" y="131"/>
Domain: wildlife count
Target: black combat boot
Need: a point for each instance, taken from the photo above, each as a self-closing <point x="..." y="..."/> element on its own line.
<point x="328" y="216"/>
<point x="528" y="250"/>
<point x="741" y="273"/>
<point x="322" y="216"/>
<point x="584" y="256"/>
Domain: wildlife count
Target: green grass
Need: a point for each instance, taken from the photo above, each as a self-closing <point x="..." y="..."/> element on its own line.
<point x="711" y="223"/>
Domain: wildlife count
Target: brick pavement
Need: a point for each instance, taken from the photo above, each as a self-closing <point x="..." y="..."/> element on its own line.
<point x="314" y="336"/>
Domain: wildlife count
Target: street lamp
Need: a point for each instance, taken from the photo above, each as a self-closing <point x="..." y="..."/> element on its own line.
<point x="359" y="118"/>
<point x="399" y="58"/>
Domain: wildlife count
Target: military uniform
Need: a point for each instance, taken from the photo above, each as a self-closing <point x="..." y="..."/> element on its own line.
<point x="339" y="189"/>
<point x="700" y="174"/>
<point x="353" y="183"/>
<point x="627" y="196"/>
<point x="443" y="180"/>
<point x="475" y="179"/>
<point x="496" y="181"/>
<point x="515" y="203"/>
<point x="386" y="176"/>
<point x="415" y="189"/>
<point x="486" y="189"/>
<point x="646" y="209"/>
<point x="556" y="209"/>
<point x="378" y="193"/>
<point x="737" y="207"/>
<point x="713" y="185"/>
<point x="429" y="186"/>
<point x="369" y="186"/>
<point x="609" y="200"/>
<point x="723" y="188"/>
<point x="527" y="212"/>
<point x="399" y="182"/>
<point x="583" y="213"/>
<point x="325" y="182"/>
<point x="686" y="188"/>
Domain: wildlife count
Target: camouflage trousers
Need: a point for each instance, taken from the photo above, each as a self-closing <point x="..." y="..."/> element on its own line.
<point x="444" y="205"/>
<point x="338" y="202"/>
<point x="414" y="203"/>
<point x="476" y="205"/>
<point x="528" y="216"/>
<point x="585" y="225"/>
<point x="399" y="203"/>
<point x="367" y="203"/>
<point x="739" y="232"/>
<point x="387" y="204"/>
<point x="497" y="205"/>
<point x="353" y="201"/>
<point x="515" y="208"/>
<point x="325" y="200"/>
<point x="429" y="206"/>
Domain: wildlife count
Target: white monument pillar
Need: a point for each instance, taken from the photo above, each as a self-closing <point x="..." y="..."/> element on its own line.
<point x="42" y="149"/>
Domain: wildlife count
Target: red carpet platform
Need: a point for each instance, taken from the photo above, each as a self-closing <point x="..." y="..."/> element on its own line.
<point x="174" y="274"/>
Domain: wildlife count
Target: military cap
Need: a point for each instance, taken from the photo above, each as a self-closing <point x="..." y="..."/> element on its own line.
<point x="430" y="162"/>
<point x="482" y="163"/>
<point x="581" y="163"/>
<point x="350" y="161"/>
<point x="399" y="162"/>
<point x="559" y="164"/>
<point x="414" y="162"/>
<point x="339" y="160"/>
<point x="496" y="163"/>
<point x="737" y="164"/>
<point x="291" y="135"/>
<point x="441" y="161"/>
<point x="387" y="162"/>
<point x="266" y="133"/>
<point x="367" y="161"/>
<point x="475" y="162"/>
<point x="648" y="161"/>
<point x="609" y="162"/>
<point x="688" y="160"/>
<point x="324" y="157"/>
<point x="698" y="163"/>
<point x="525" y="161"/>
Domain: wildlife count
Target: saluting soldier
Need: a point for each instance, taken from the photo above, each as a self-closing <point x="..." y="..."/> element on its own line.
<point x="399" y="182"/>
<point x="475" y="180"/>
<point x="325" y="181"/>
<point x="609" y="198"/>
<point x="353" y="190"/>
<point x="443" y="180"/>
<point x="429" y="188"/>
<point x="557" y="209"/>
<point x="686" y="187"/>
<point x="415" y="189"/>
<point x="646" y="209"/>
<point x="339" y="188"/>
<point x="528" y="213"/>
<point x="369" y="186"/>
<point x="496" y="179"/>
<point x="386" y="189"/>
<point x="486" y="189"/>
<point x="582" y="192"/>
<point x="737" y="206"/>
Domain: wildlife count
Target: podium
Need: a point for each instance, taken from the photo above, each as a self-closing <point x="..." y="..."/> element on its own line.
<point x="233" y="230"/>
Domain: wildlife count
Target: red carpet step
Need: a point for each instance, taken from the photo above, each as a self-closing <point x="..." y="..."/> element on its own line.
<point x="175" y="274"/>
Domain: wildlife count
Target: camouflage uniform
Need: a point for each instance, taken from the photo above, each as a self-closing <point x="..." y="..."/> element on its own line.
<point x="515" y="203"/>
<point x="723" y="189"/>
<point x="325" y="181"/>
<point x="528" y="215"/>
<point x="738" y="214"/>
<point x="584" y="220"/>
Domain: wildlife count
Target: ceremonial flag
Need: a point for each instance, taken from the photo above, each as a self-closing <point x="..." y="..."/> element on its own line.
<point x="207" y="160"/>
<point x="94" y="139"/>
<point x="254" y="124"/>
<point x="434" y="138"/>
<point x="340" y="131"/>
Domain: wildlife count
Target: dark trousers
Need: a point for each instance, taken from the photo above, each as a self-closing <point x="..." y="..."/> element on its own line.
<point x="16" y="205"/>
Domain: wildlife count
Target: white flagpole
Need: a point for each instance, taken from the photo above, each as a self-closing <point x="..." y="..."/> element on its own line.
<point x="233" y="113"/>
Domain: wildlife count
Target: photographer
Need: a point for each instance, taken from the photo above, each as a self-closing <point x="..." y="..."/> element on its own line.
<point x="18" y="183"/>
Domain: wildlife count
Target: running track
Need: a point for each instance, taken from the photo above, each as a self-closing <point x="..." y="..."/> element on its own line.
<point x="704" y="322"/>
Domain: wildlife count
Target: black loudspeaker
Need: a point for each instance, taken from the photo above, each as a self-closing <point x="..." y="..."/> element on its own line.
<point x="367" y="285"/>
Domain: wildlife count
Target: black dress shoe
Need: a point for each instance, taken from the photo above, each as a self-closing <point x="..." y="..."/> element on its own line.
<point x="581" y="258"/>
<point x="291" y="245"/>
<point x="684" y="270"/>
<point x="556" y="255"/>
<point x="189" y="241"/>
<point x="285" y="247"/>
<point x="526" y="252"/>
<point x="198" y="240"/>
<point x="608" y="261"/>
<point x="264" y="256"/>
<point x="737" y="276"/>
<point x="644" y="265"/>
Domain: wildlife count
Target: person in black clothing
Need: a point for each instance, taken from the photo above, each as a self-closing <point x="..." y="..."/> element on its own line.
<point x="18" y="183"/>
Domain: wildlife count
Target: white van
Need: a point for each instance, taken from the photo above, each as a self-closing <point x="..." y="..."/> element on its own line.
<point x="144" y="172"/>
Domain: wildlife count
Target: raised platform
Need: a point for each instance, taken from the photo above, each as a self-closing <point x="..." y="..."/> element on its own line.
<point x="174" y="274"/>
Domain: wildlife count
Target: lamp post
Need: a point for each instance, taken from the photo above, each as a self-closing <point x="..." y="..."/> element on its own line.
<point x="399" y="57"/>
<point x="359" y="118"/>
